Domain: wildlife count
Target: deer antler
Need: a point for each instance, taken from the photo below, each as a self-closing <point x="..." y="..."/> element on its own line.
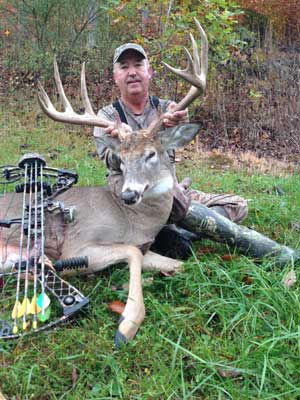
<point x="196" y="70"/>
<point x="195" y="74"/>
<point x="69" y="115"/>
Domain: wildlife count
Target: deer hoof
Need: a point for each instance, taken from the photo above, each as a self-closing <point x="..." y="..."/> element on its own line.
<point x="120" y="339"/>
<point x="126" y="331"/>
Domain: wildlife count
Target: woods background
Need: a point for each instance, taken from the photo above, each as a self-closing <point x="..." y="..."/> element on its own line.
<point x="253" y="87"/>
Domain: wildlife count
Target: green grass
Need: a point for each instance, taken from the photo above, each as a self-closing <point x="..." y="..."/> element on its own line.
<point x="216" y="318"/>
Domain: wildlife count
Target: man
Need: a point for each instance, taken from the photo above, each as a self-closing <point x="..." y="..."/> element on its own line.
<point x="136" y="110"/>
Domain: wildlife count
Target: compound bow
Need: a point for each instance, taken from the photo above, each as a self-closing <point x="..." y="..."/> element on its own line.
<point x="31" y="289"/>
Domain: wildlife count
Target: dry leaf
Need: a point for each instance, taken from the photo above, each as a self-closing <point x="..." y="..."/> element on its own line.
<point x="205" y="250"/>
<point x="229" y="373"/>
<point x="290" y="279"/>
<point x="247" y="280"/>
<point x="117" y="306"/>
<point x="229" y="257"/>
<point x="74" y="376"/>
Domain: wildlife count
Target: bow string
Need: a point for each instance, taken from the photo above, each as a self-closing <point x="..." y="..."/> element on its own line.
<point x="33" y="296"/>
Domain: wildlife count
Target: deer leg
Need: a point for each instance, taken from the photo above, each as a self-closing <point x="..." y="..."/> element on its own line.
<point x="100" y="257"/>
<point x="168" y="266"/>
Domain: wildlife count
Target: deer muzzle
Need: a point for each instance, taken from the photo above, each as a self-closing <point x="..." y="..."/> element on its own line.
<point x="130" y="197"/>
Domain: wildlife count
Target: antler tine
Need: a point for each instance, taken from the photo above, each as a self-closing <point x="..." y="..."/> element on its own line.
<point x="196" y="70"/>
<point x="84" y="94"/>
<point x="204" y="49"/>
<point x="43" y="99"/>
<point x="69" y="115"/>
<point x="60" y="88"/>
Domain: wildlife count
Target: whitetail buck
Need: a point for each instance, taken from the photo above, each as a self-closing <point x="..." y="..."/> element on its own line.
<point x="107" y="229"/>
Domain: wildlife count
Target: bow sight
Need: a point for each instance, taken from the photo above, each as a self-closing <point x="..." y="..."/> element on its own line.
<point x="26" y="274"/>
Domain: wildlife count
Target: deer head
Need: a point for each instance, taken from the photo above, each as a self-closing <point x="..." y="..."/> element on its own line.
<point x="144" y="161"/>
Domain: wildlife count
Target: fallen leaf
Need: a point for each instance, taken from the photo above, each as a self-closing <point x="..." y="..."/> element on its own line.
<point x="74" y="376"/>
<point x="116" y="306"/>
<point x="290" y="279"/>
<point x="229" y="257"/>
<point x="247" y="280"/>
<point x="205" y="250"/>
<point x="229" y="373"/>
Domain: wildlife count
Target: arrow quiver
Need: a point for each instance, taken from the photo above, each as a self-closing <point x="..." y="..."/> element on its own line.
<point x="33" y="296"/>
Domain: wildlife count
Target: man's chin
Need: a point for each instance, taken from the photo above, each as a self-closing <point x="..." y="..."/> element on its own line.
<point x="135" y="91"/>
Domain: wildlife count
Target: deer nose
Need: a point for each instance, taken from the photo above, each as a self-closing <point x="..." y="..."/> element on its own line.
<point x="130" y="196"/>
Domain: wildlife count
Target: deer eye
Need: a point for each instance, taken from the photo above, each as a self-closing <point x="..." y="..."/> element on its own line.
<point x="150" y="155"/>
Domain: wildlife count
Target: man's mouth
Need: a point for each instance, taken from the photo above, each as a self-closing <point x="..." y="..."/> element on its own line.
<point x="130" y="82"/>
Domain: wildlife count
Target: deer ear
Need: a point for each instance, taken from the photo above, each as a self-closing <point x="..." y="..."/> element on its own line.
<point x="179" y="136"/>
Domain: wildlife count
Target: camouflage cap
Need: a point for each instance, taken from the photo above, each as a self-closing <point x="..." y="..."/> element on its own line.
<point x="128" y="46"/>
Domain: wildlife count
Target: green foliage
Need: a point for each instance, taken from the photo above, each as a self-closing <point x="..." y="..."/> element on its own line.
<point x="41" y="29"/>
<point x="165" y="28"/>
<point x="90" y="30"/>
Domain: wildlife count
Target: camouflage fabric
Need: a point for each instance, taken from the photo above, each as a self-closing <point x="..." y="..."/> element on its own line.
<point x="235" y="206"/>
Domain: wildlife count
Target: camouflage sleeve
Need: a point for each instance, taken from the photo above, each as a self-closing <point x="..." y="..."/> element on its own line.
<point x="111" y="159"/>
<point x="164" y="104"/>
<point x="99" y="133"/>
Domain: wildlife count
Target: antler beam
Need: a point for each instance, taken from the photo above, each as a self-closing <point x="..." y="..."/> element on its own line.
<point x="69" y="115"/>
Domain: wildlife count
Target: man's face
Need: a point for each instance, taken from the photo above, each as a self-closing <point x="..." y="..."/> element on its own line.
<point x="132" y="74"/>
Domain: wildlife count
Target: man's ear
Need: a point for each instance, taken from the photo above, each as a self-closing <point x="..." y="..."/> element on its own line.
<point x="178" y="136"/>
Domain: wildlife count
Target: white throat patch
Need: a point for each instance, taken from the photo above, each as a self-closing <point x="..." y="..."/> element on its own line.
<point x="165" y="185"/>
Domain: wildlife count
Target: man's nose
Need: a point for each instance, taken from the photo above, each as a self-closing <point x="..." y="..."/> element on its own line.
<point x="132" y="70"/>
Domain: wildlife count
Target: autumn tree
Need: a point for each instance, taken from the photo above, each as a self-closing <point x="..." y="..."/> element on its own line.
<point x="282" y="19"/>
